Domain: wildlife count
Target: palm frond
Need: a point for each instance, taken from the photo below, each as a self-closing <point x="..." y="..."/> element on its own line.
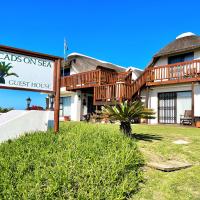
<point x="127" y="111"/>
<point x="5" y="68"/>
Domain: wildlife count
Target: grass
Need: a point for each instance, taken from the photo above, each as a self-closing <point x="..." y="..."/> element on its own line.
<point x="87" y="161"/>
<point x="84" y="161"/>
<point x="156" y="144"/>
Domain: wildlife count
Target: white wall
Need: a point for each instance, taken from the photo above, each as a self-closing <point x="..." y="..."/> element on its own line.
<point x="162" y="61"/>
<point x="76" y="103"/>
<point x="153" y="97"/>
<point x="16" y="123"/>
<point x="197" y="55"/>
<point x="76" y="106"/>
<point x="184" y="102"/>
<point x="197" y="100"/>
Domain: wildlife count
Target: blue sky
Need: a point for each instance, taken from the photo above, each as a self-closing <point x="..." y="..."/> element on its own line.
<point x="125" y="32"/>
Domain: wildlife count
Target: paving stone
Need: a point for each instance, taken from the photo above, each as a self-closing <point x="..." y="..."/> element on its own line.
<point x="180" y="142"/>
<point x="169" y="166"/>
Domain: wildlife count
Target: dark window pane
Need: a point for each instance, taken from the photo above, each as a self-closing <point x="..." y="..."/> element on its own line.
<point x="65" y="72"/>
<point x="181" y="58"/>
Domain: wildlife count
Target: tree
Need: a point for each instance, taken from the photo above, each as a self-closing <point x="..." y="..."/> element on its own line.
<point x="4" y="71"/>
<point x="126" y="112"/>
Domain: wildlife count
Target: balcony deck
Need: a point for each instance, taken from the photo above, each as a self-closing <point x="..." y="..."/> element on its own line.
<point x="182" y="72"/>
<point x="113" y="86"/>
<point x="94" y="78"/>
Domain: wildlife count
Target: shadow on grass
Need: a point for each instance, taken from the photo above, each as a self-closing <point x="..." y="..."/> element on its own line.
<point x="146" y="137"/>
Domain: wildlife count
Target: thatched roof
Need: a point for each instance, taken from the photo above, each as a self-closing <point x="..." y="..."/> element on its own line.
<point x="82" y="63"/>
<point x="183" y="43"/>
<point x="87" y="63"/>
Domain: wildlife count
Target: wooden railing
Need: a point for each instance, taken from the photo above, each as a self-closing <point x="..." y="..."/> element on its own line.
<point x="118" y="91"/>
<point x="174" y="73"/>
<point x="168" y="74"/>
<point x="81" y="80"/>
<point x="113" y="86"/>
<point x="113" y="92"/>
<point x="94" y="78"/>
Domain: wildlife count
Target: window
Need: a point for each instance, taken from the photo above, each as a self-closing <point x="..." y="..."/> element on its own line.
<point x="65" y="72"/>
<point x="65" y="106"/>
<point x="181" y="58"/>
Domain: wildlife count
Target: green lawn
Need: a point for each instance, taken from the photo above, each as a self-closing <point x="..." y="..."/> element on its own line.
<point x="95" y="161"/>
<point x="156" y="144"/>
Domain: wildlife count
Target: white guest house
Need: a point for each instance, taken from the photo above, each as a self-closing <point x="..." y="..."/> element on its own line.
<point x="170" y="84"/>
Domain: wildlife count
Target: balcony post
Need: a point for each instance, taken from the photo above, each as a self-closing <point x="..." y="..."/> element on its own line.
<point x="147" y="100"/>
<point x="99" y="77"/>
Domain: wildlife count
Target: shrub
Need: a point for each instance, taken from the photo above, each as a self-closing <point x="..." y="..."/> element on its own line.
<point x="35" y="108"/>
<point x="84" y="161"/>
<point x="4" y="110"/>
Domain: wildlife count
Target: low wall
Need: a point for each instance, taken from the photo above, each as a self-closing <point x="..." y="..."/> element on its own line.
<point x="17" y="122"/>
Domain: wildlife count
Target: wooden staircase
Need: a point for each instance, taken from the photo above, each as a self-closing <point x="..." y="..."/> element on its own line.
<point x="183" y="72"/>
<point x="119" y="91"/>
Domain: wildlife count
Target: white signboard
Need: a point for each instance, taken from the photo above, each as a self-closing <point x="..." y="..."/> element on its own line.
<point x="20" y="71"/>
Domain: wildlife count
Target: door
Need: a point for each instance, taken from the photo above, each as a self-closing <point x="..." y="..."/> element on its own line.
<point x="90" y="106"/>
<point x="167" y="108"/>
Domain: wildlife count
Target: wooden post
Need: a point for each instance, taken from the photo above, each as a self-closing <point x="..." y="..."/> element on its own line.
<point x="57" y="96"/>
<point x="193" y="123"/>
<point x="147" y="97"/>
<point x="147" y="100"/>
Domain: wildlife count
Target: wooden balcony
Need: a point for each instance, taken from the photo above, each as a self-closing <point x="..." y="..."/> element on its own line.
<point x="94" y="78"/>
<point x="183" y="72"/>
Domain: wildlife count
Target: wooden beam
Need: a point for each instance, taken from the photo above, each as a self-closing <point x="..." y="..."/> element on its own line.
<point x="147" y="96"/>
<point x="168" y="82"/>
<point x="57" y="96"/>
<point x="28" y="53"/>
<point x="147" y="100"/>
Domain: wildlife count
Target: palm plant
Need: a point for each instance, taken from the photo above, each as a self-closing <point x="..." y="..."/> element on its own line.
<point x="4" y="71"/>
<point x="126" y="112"/>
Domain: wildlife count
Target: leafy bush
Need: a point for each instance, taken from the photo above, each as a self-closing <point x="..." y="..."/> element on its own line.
<point x="35" y="108"/>
<point x="84" y="161"/>
<point x="4" y="110"/>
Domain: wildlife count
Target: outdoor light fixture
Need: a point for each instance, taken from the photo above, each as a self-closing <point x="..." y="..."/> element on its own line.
<point x="51" y="98"/>
<point x="28" y="101"/>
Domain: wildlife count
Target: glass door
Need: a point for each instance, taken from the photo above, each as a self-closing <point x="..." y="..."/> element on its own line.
<point x="167" y="108"/>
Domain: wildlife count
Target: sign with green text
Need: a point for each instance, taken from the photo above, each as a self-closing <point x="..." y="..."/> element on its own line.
<point x="20" y="71"/>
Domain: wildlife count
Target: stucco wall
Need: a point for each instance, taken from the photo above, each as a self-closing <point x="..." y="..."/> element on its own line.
<point x="75" y="112"/>
<point x="161" y="61"/>
<point x="197" y="55"/>
<point x="24" y="122"/>
<point x="164" y="60"/>
<point x="153" y="97"/>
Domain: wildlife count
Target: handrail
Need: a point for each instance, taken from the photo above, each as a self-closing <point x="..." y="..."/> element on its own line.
<point x="94" y="78"/>
<point x="177" y="71"/>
